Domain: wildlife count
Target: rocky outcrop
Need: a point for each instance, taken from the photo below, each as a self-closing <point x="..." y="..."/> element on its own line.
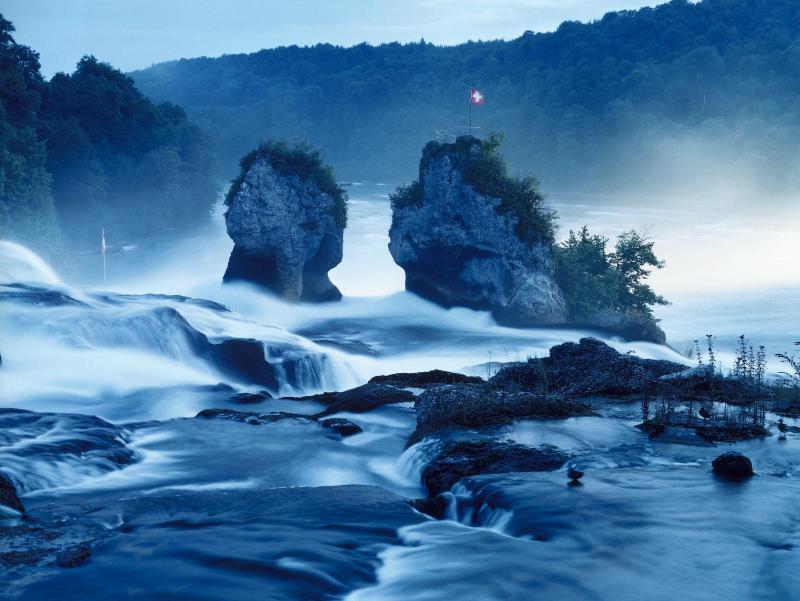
<point x="460" y="247"/>
<point x="424" y="379"/>
<point x="458" y="459"/>
<point x="359" y="400"/>
<point x="286" y="227"/>
<point x="588" y="368"/>
<point x="477" y="406"/>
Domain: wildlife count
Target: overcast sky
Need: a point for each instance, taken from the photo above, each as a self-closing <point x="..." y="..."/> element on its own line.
<point x="131" y="34"/>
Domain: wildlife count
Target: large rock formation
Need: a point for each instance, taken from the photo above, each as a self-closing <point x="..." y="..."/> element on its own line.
<point x="461" y="247"/>
<point x="588" y="368"/>
<point x="286" y="217"/>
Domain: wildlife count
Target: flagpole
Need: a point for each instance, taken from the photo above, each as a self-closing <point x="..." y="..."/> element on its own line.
<point x="469" y="100"/>
<point x="103" y="249"/>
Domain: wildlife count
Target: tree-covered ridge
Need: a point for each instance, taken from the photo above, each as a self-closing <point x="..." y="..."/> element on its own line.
<point x="654" y="96"/>
<point x="91" y="149"/>
<point x="26" y="204"/>
<point x="300" y="160"/>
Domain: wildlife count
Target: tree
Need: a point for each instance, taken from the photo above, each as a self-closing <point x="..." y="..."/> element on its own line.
<point x="633" y="260"/>
<point x="26" y="205"/>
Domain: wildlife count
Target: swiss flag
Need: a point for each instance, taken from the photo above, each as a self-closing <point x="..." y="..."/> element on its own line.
<point x="476" y="96"/>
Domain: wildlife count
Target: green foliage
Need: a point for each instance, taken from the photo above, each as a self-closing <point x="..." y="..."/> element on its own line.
<point x="119" y="161"/>
<point x="484" y="169"/>
<point x="26" y="205"/>
<point x="301" y="160"/>
<point x="88" y="151"/>
<point x="585" y="106"/>
<point x="595" y="280"/>
<point x="406" y="196"/>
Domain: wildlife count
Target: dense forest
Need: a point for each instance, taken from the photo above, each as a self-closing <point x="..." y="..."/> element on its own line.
<point x="87" y="151"/>
<point x="683" y="96"/>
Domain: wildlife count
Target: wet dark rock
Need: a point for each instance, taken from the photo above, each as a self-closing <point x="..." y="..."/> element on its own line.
<point x="702" y="433"/>
<point x="701" y="384"/>
<point x="426" y="378"/>
<point x="285" y="232"/>
<point x="455" y="460"/>
<point x="245" y="360"/>
<point x="475" y="406"/>
<point x="459" y="247"/>
<point x="75" y="556"/>
<point x="8" y="494"/>
<point x="342" y="427"/>
<point x="251" y="417"/>
<point x="436" y="507"/>
<point x="250" y="398"/>
<point x="587" y="368"/>
<point x="574" y="473"/>
<point x="733" y="466"/>
<point x="359" y="400"/>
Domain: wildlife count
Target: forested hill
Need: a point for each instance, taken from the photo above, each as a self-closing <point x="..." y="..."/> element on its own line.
<point x="678" y="97"/>
<point x="86" y="152"/>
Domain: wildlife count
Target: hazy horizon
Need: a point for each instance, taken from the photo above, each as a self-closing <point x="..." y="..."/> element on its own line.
<point x="134" y="35"/>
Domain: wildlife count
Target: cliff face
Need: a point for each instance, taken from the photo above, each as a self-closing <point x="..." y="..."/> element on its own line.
<point x="285" y="233"/>
<point x="459" y="247"/>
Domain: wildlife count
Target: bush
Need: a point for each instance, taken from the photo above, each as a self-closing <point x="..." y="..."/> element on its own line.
<point x="594" y="280"/>
<point x="301" y="160"/>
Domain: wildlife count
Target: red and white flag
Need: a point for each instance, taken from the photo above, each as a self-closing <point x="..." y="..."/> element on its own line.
<point x="476" y="97"/>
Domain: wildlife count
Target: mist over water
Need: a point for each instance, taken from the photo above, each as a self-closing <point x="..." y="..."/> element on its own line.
<point x="133" y="351"/>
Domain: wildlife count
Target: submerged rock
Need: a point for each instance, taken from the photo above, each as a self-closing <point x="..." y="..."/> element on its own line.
<point x="461" y="247"/>
<point x="733" y="466"/>
<point x="458" y="459"/>
<point x="286" y="217"/>
<point x="252" y="417"/>
<point x="343" y="427"/>
<point x="74" y="556"/>
<point x="8" y="494"/>
<point x="588" y="368"/>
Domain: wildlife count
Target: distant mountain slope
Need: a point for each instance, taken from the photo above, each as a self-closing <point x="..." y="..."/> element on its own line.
<point x="678" y="97"/>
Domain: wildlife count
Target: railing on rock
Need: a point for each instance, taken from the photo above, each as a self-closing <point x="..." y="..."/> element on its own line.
<point x="448" y="136"/>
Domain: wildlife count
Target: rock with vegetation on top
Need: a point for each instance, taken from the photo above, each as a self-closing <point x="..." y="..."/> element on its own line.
<point x="468" y="235"/>
<point x="476" y="406"/>
<point x="286" y="216"/>
<point x="588" y="368"/>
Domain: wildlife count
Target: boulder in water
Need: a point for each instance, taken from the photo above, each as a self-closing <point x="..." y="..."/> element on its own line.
<point x="455" y="460"/>
<point x="286" y="216"/>
<point x="8" y="494"/>
<point x="732" y="466"/>
<point x="463" y="242"/>
<point x="359" y="400"/>
<point x="342" y="427"/>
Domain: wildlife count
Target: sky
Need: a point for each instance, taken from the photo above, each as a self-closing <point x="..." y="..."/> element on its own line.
<point x="132" y="34"/>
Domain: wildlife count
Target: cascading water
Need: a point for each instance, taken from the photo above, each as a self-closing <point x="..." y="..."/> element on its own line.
<point x="107" y="448"/>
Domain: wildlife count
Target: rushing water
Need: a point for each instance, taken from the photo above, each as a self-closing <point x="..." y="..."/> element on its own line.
<point x="100" y="382"/>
